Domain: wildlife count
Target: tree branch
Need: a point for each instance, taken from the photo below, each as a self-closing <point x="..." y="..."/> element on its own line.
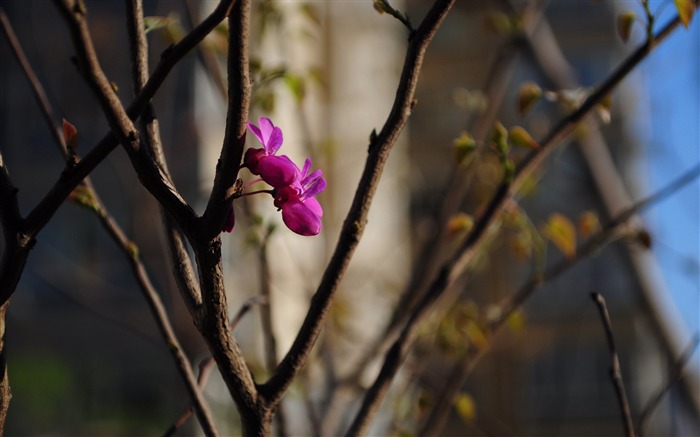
<point x="355" y="221"/>
<point x="71" y="177"/>
<point x="207" y="364"/>
<point x="457" y="264"/>
<point x="184" y="276"/>
<point x="151" y="176"/>
<point x="615" y="371"/>
<point x="239" y="92"/>
<point x="428" y="261"/>
<point x="436" y="418"/>
<point x="183" y="271"/>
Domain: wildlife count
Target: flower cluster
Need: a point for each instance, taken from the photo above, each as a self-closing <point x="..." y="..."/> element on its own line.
<point x="293" y="189"/>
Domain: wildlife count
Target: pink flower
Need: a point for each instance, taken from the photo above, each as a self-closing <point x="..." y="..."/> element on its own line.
<point x="301" y="212"/>
<point x="277" y="171"/>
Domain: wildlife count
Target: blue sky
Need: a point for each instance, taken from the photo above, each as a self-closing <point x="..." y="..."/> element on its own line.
<point x="672" y="79"/>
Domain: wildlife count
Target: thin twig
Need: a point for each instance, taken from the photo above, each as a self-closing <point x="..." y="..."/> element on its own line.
<point x="356" y="218"/>
<point x="439" y="411"/>
<point x="150" y="175"/>
<point x="383" y="6"/>
<point x="205" y="54"/>
<point x="675" y="375"/>
<point x="456" y="266"/>
<point x="615" y="371"/>
<point x="239" y="94"/>
<point x="36" y="87"/>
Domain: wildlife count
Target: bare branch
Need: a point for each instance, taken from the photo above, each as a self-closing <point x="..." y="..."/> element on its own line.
<point x="239" y="92"/>
<point x="615" y="371"/>
<point x="183" y="271"/>
<point x="455" y="267"/>
<point x="428" y="261"/>
<point x="440" y="409"/>
<point x="151" y="176"/>
<point x="36" y="87"/>
<point x="356" y="218"/>
<point x="70" y="178"/>
<point x="139" y="53"/>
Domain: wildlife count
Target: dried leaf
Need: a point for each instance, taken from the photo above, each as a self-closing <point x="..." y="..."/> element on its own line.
<point x="624" y="24"/>
<point x="686" y="9"/>
<point x="466" y="408"/>
<point x="562" y="233"/>
<point x="530" y="93"/>
<point x="588" y="223"/>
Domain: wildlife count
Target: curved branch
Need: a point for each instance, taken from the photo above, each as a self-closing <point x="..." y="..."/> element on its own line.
<point x="379" y="148"/>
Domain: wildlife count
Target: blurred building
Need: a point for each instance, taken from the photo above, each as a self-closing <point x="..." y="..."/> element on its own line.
<point x="551" y="377"/>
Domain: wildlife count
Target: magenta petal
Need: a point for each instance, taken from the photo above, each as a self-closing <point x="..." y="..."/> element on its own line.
<point x="252" y="158"/>
<point x="278" y="171"/>
<point x="253" y="128"/>
<point x="300" y="218"/>
<point x="274" y="141"/>
<point x="314" y="206"/>
<point x="266" y="127"/>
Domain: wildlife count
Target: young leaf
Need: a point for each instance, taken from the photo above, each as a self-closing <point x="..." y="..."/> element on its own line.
<point x="463" y="145"/>
<point x="624" y="25"/>
<point x="530" y="93"/>
<point x="460" y="223"/>
<point x="296" y="85"/>
<point x="686" y="9"/>
<point x="516" y="321"/>
<point x="70" y="135"/>
<point x="466" y="408"/>
<point x="499" y="136"/>
<point x="155" y="23"/>
<point x="562" y="233"/>
<point x="521" y="138"/>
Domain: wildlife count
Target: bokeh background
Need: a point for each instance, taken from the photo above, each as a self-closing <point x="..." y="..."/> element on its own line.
<point x="85" y="357"/>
